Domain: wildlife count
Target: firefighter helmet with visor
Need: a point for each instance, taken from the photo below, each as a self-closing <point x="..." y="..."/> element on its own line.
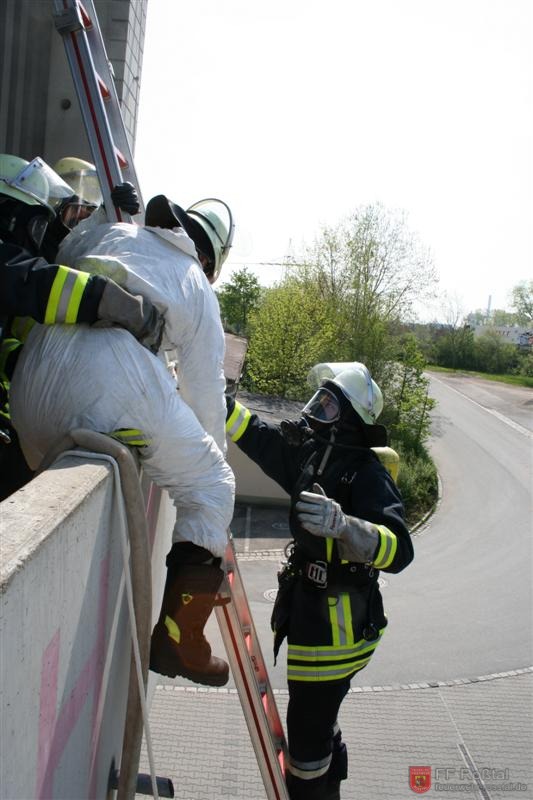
<point x="356" y="384"/>
<point x="32" y="182"/>
<point x="82" y="177"/>
<point x="216" y="220"/>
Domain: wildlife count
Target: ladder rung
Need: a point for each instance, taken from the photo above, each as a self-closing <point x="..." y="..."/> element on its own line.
<point x="122" y="160"/>
<point x="85" y="18"/>
<point x="104" y="89"/>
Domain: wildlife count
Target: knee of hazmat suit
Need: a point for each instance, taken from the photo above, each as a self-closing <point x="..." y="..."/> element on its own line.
<point x="103" y="380"/>
<point x="160" y="262"/>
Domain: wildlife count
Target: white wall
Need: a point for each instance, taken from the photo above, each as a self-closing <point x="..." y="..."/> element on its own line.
<point x="251" y="484"/>
<point x="64" y="634"/>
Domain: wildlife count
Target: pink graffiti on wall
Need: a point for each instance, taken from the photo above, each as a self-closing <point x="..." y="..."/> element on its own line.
<point x="56" y="725"/>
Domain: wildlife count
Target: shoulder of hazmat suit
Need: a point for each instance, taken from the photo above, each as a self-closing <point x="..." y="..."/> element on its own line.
<point x="161" y="265"/>
<point x="48" y="293"/>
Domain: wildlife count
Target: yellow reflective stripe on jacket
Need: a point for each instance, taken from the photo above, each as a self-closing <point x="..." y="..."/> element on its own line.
<point x="237" y="422"/>
<point x="65" y="296"/>
<point x="340" y="617"/>
<point x="329" y="549"/>
<point x="130" y="436"/>
<point x="328" y="662"/>
<point x="318" y="674"/>
<point x="387" y="548"/>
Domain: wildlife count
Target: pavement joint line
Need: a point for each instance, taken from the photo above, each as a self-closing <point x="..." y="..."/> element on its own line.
<point x="395" y="687"/>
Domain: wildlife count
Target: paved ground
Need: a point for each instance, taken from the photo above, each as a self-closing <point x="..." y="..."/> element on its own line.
<point x="478" y="735"/>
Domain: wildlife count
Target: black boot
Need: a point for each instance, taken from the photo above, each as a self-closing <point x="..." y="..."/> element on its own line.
<point x="179" y="646"/>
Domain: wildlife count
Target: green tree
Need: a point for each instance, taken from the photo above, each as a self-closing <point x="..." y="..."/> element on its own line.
<point x="289" y="332"/>
<point x="368" y="271"/>
<point x="238" y="298"/>
<point x="407" y="403"/>
<point x="456" y="348"/>
<point x="494" y="355"/>
<point x="522" y="302"/>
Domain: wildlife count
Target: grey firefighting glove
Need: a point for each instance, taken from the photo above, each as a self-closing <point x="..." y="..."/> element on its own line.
<point x="125" y="197"/>
<point x="357" y="540"/>
<point x="133" y="312"/>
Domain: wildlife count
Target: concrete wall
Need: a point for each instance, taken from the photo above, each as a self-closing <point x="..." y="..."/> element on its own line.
<point x="251" y="484"/>
<point x="64" y="631"/>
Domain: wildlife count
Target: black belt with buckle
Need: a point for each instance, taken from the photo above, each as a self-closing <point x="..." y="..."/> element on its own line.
<point x="320" y="573"/>
<point x="317" y="573"/>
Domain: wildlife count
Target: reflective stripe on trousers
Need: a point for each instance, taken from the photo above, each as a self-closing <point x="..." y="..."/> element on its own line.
<point x="132" y="437"/>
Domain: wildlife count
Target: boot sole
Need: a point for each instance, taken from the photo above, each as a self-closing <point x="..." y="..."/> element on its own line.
<point x="196" y="677"/>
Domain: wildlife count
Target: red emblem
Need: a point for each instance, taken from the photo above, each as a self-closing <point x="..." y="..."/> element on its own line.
<point x="420" y="779"/>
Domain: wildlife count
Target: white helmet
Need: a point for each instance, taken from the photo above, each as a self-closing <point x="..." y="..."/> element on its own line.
<point x="31" y="182"/>
<point x="216" y="220"/>
<point x="82" y="176"/>
<point x="356" y="384"/>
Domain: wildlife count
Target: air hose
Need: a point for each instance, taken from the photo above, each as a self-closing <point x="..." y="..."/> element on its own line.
<point x="138" y="579"/>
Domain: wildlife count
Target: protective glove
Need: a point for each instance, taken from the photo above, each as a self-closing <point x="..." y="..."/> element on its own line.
<point x="135" y="313"/>
<point x="295" y="433"/>
<point x="357" y="539"/>
<point x="125" y="197"/>
<point x="319" y="514"/>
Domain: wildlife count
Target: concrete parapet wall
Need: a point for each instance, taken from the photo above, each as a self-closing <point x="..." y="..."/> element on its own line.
<point x="64" y="632"/>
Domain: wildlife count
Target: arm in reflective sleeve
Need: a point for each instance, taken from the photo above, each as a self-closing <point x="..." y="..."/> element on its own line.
<point x="262" y="442"/>
<point x="49" y="293"/>
<point x="237" y="419"/>
<point x="367" y="543"/>
<point x="387" y="547"/>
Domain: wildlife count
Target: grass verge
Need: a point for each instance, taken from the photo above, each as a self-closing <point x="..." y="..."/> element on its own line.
<point x="514" y="380"/>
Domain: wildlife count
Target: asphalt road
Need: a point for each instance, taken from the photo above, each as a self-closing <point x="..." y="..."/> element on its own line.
<point x="463" y="608"/>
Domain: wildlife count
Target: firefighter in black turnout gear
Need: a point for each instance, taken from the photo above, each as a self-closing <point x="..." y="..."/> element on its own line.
<point x="347" y="521"/>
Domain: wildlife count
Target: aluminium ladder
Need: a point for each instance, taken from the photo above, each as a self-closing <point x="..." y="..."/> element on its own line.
<point x="93" y="79"/>
<point x="251" y="679"/>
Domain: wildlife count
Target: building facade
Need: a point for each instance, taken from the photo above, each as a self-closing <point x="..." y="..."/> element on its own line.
<point x="39" y="110"/>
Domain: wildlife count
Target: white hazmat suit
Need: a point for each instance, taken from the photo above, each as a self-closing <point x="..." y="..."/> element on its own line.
<point x="102" y="379"/>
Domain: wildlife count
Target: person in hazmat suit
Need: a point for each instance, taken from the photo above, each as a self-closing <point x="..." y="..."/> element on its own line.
<point x="347" y="520"/>
<point x="102" y="380"/>
<point x="33" y="198"/>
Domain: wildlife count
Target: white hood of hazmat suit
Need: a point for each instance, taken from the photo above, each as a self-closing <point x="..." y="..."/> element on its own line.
<point x="72" y="376"/>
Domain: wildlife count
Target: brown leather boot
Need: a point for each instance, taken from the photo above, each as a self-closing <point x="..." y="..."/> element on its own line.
<point x="179" y="646"/>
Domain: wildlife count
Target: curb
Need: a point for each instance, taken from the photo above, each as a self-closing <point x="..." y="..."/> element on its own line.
<point x="359" y="689"/>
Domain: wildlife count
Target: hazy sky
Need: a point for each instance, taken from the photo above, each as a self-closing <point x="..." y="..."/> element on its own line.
<point x="296" y="112"/>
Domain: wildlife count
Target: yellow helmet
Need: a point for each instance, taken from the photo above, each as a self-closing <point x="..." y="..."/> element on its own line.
<point x="31" y="182"/>
<point x="356" y="384"/>
<point x="82" y="177"/>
